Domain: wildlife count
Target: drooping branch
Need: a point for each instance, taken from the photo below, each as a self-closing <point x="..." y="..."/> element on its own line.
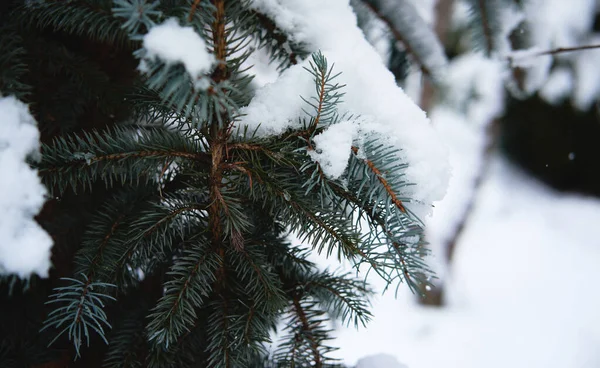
<point x="388" y="188"/>
<point x="307" y="329"/>
<point x="93" y="264"/>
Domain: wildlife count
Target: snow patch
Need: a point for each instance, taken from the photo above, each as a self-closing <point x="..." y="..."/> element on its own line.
<point x="370" y="91"/>
<point x="518" y="295"/>
<point x="379" y="361"/>
<point x="333" y="148"/>
<point x="558" y="86"/>
<point x="172" y="43"/>
<point x="24" y="245"/>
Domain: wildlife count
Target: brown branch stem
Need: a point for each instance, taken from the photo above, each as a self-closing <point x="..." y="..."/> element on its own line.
<point x="559" y="50"/>
<point x="314" y="346"/>
<point x="193" y="10"/>
<point x="388" y="188"/>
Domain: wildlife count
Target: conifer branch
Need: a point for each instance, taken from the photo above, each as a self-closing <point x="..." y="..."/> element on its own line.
<point x="199" y="156"/>
<point x="283" y="48"/>
<point x="78" y="161"/>
<point x="321" y="97"/>
<point x="83" y="311"/>
<point x="342" y="295"/>
<point x="397" y="202"/>
<point x="485" y="22"/>
<point x="175" y="312"/>
<point x="307" y="331"/>
<point x="101" y="247"/>
<point x="328" y="95"/>
<point x="408" y="28"/>
<point x="193" y="10"/>
<point x="218" y="135"/>
<point x="79" y="18"/>
<point x="375" y="217"/>
<point x="264" y="287"/>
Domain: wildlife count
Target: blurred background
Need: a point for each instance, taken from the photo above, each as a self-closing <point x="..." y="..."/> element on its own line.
<point x="516" y="242"/>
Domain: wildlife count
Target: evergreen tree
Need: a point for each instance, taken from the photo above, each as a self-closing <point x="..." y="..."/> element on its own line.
<point x="170" y="218"/>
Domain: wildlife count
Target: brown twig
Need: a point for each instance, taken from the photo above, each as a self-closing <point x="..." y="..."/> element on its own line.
<point x="314" y="346"/>
<point x="193" y="10"/>
<point x="386" y="185"/>
<point x="559" y="50"/>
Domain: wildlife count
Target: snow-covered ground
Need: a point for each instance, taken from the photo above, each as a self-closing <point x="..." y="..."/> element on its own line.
<point x="521" y="292"/>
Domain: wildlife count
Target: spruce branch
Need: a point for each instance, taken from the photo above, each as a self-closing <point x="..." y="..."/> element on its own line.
<point x="13" y="66"/>
<point x="102" y="246"/>
<point x="260" y="282"/>
<point x="307" y="332"/>
<point x="193" y="10"/>
<point x="81" y="18"/>
<point x="306" y="341"/>
<point x="119" y="155"/>
<point x="321" y="226"/>
<point x="413" y="32"/>
<point x="487" y="23"/>
<point x="277" y="42"/>
<point x="81" y="311"/>
<point x="220" y="340"/>
<point x="388" y="265"/>
<point x="380" y="176"/>
<point x="328" y="94"/>
<point x="192" y="276"/>
<point x="342" y="296"/>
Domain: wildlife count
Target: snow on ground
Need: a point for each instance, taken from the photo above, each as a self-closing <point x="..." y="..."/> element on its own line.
<point x="521" y="292"/>
<point x="24" y="245"/>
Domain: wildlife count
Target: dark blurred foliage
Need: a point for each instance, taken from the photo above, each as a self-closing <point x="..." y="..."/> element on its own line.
<point x="557" y="144"/>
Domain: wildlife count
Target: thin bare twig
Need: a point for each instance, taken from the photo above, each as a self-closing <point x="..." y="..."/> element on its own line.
<point x="556" y="51"/>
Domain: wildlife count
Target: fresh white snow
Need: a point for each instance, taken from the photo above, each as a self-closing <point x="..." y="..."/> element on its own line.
<point x="558" y="86"/>
<point x="333" y="147"/>
<point x="379" y="361"/>
<point x="24" y="245"/>
<point x="371" y="92"/>
<point x="519" y="294"/>
<point x="172" y="43"/>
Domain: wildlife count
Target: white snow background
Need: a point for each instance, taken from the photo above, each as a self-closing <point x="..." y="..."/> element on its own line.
<point x="521" y="292"/>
